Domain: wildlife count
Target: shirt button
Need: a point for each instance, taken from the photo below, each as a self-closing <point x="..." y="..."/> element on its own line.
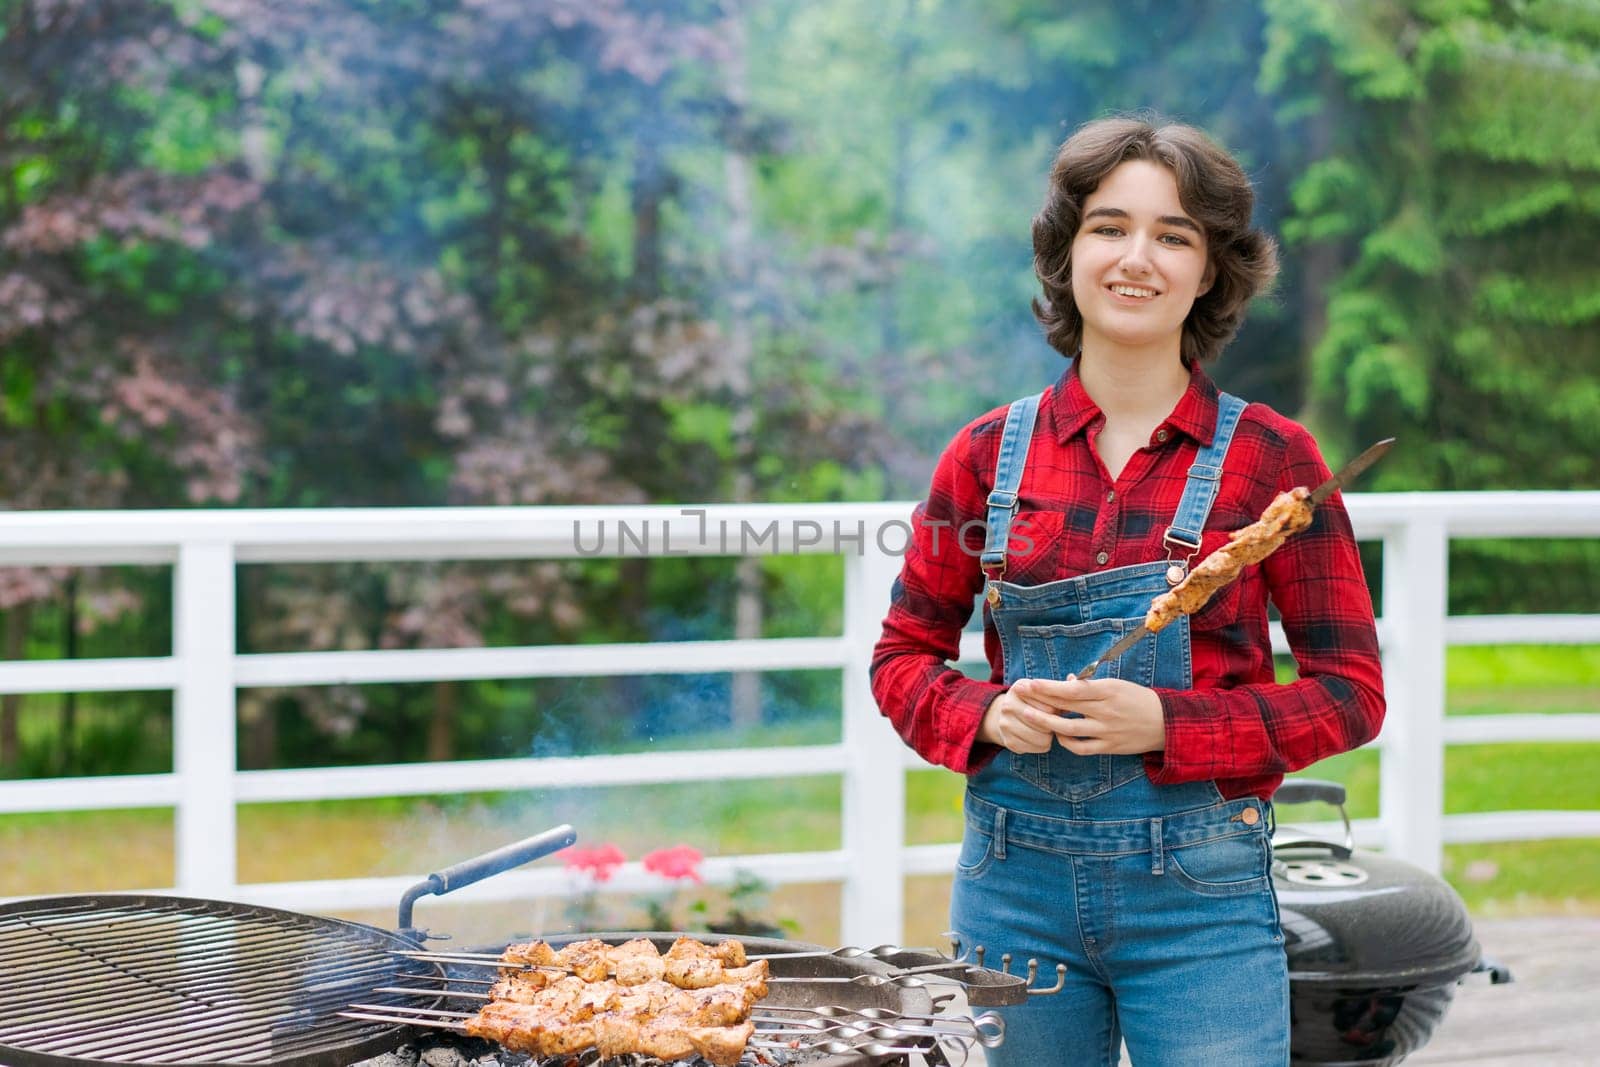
<point x="1162" y="435"/>
<point x="1111" y="496"/>
<point x="1102" y="558"/>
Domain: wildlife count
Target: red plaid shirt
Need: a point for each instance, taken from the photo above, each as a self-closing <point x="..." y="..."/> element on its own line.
<point x="1237" y="725"/>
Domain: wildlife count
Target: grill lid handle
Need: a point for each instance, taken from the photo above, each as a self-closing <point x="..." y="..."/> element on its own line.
<point x="480" y="867"/>
<point x="1306" y="791"/>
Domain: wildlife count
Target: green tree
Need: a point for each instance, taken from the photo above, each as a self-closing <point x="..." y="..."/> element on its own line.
<point x="1456" y="178"/>
<point x="332" y="252"/>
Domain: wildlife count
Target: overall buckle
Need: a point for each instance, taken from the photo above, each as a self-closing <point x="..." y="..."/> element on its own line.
<point x="1178" y="570"/>
<point x="992" y="593"/>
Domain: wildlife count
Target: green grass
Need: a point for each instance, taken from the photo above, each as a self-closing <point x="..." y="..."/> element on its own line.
<point x="83" y="851"/>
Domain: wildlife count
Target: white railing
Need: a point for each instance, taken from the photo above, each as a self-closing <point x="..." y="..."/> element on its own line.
<point x="205" y="671"/>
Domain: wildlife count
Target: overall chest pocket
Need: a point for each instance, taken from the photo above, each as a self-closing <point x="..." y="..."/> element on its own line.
<point x="1055" y="651"/>
<point x="1060" y="649"/>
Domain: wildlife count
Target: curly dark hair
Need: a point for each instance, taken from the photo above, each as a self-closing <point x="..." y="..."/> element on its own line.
<point x="1212" y="187"/>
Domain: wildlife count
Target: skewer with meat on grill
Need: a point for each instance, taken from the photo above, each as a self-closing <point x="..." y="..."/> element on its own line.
<point x="695" y="999"/>
<point x="687" y="964"/>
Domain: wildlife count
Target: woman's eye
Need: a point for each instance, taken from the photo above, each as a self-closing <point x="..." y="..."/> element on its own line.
<point x="1109" y="231"/>
<point x="1174" y="239"/>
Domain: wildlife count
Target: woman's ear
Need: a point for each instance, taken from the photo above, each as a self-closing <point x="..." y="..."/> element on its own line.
<point x="1207" y="280"/>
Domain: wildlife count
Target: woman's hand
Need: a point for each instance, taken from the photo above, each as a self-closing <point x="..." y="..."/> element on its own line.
<point x="1014" y="721"/>
<point x="1119" y="717"/>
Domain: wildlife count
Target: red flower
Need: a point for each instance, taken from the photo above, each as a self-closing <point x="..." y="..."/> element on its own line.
<point x="680" y="862"/>
<point x="601" y="861"/>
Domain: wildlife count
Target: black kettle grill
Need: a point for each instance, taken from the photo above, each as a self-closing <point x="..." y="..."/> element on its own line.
<point x="1376" y="946"/>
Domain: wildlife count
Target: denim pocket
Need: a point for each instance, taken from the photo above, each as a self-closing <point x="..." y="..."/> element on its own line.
<point x="1222" y="866"/>
<point x="977" y="853"/>
<point x="1061" y="649"/>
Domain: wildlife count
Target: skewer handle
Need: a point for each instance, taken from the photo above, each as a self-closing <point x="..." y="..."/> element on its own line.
<point x="480" y="867"/>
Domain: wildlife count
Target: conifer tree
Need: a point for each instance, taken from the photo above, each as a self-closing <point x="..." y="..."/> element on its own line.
<point x="1453" y="166"/>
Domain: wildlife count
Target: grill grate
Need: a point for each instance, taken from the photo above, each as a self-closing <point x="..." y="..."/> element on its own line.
<point x="165" y="980"/>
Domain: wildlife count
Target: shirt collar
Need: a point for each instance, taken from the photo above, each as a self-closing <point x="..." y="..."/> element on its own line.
<point x="1196" y="411"/>
<point x="1195" y="414"/>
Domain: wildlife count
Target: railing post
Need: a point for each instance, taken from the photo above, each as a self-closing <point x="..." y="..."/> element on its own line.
<point x="875" y="784"/>
<point x="1415" y="573"/>
<point x="203" y="728"/>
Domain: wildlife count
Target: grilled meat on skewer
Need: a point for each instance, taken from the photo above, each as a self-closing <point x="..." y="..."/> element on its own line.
<point x="718" y="1005"/>
<point x="530" y="1028"/>
<point x="634" y="970"/>
<point x="632" y="961"/>
<point x="1289" y="513"/>
<point x="693" y="999"/>
<point x="531" y="954"/>
<point x="701" y="974"/>
<point x="728" y="953"/>
<point x="668" y="1036"/>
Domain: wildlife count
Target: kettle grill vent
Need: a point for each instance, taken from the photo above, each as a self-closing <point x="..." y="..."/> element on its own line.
<point x="1330" y="874"/>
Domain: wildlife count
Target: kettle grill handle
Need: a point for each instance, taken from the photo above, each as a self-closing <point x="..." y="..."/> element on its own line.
<point x="1311" y="790"/>
<point x="1499" y="973"/>
<point x="480" y="867"/>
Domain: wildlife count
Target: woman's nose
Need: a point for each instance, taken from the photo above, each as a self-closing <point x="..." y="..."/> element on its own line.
<point x="1136" y="257"/>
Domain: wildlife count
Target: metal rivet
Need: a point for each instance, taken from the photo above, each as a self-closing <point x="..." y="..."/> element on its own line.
<point x="1174" y="574"/>
<point x="1161" y="435"/>
<point x="1111" y="496"/>
<point x="1102" y="558"/>
<point x="1250" y="816"/>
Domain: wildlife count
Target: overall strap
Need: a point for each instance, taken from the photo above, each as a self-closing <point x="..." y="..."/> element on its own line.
<point x="1007" y="479"/>
<point x="1200" y="491"/>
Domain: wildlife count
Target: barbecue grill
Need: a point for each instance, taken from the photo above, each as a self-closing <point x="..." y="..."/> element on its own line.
<point x="135" y="980"/>
<point x="1376" y="946"/>
<point x="848" y="1007"/>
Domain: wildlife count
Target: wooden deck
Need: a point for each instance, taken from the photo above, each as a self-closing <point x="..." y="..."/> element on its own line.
<point x="1549" y="1016"/>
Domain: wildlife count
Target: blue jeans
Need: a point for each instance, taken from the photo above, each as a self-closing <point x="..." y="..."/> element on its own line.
<point x="1186" y="965"/>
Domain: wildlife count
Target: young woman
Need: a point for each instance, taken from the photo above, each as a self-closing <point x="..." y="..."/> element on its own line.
<point x="1122" y="825"/>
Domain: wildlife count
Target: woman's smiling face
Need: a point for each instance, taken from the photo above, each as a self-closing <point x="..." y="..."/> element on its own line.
<point x="1138" y="261"/>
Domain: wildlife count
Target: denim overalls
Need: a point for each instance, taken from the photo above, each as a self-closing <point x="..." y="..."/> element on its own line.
<point x="1157" y="898"/>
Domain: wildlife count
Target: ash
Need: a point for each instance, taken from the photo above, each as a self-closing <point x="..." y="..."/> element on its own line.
<point x="449" y="1050"/>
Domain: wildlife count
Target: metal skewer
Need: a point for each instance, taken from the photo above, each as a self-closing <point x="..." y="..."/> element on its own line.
<point x="410" y="1020"/>
<point x="479" y="959"/>
<point x="841" y="1048"/>
<point x="987" y="1029"/>
<point x="848" y="952"/>
<point x="438" y="1012"/>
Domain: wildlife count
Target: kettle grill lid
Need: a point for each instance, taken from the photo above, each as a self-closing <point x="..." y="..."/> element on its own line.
<point x="1399" y="926"/>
